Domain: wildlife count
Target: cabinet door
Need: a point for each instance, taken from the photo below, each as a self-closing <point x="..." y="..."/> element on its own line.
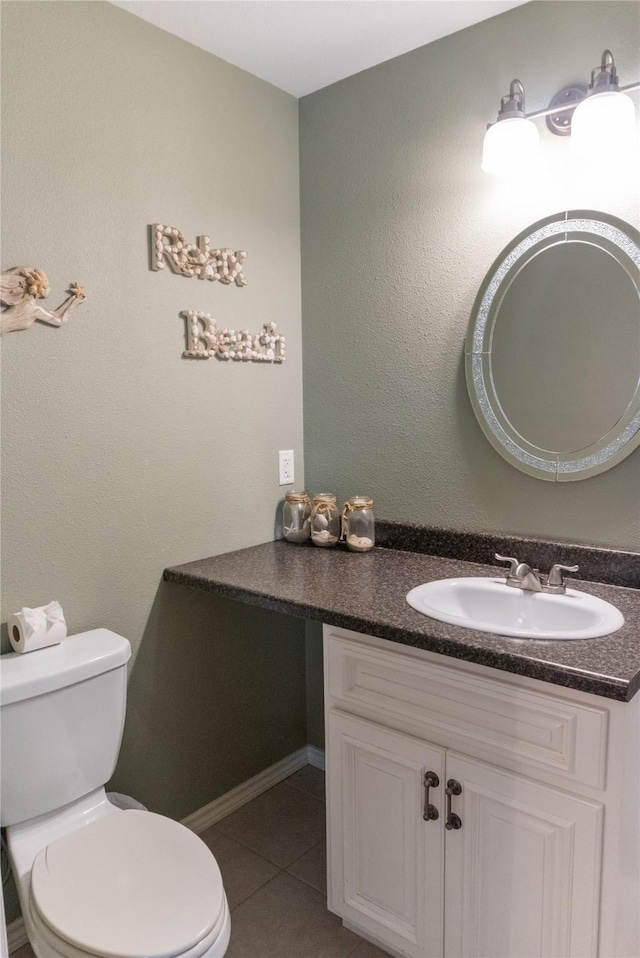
<point x="522" y="872"/>
<point x="386" y="873"/>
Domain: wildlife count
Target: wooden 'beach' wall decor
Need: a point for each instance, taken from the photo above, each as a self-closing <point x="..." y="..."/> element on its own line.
<point x="204" y="341"/>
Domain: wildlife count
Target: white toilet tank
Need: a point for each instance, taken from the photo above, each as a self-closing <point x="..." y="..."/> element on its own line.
<point x="62" y="720"/>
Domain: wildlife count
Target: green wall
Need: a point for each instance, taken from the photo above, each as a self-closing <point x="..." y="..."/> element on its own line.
<point x="119" y="456"/>
<point x="399" y="226"/>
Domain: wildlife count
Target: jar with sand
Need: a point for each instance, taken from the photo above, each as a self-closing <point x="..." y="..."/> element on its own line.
<point x="325" y="520"/>
<point x="358" y="524"/>
<point x="295" y="516"/>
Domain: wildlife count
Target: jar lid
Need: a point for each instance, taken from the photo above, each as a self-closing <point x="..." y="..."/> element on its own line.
<point x="361" y="502"/>
<point x="327" y="497"/>
<point x="301" y="496"/>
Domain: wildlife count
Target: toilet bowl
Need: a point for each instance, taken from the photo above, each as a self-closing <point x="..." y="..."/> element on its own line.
<point x="94" y="881"/>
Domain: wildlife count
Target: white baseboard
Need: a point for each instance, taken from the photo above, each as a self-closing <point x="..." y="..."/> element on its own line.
<point x="204" y="817"/>
<point x="17" y="935"/>
<point x="315" y="756"/>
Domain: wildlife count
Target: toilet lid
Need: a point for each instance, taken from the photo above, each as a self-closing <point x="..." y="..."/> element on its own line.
<point x="129" y="885"/>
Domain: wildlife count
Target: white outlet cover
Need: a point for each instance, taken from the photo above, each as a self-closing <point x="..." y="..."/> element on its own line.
<point x="285" y="467"/>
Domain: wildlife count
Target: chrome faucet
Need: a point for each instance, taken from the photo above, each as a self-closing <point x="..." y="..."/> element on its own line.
<point x="522" y="576"/>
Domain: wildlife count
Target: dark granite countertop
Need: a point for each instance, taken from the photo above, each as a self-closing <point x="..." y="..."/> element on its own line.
<point x="366" y="593"/>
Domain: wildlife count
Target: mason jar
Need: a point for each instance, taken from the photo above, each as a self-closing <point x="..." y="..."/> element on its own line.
<point x="358" y="526"/>
<point x="295" y="516"/>
<point x="325" y="520"/>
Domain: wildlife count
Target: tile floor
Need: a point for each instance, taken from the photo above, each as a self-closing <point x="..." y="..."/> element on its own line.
<point x="271" y="854"/>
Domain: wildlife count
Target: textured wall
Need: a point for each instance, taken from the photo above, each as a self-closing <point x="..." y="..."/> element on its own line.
<point x="119" y="456"/>
<point x="399" y="226"/>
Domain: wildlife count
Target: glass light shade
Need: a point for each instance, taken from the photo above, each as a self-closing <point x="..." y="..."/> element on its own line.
<point x="603" y="121"/>
<point x="510" y="146"/>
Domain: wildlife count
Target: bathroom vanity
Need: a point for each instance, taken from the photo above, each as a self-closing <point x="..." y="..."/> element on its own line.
<point x="475" y="813"/>
<point x="482" y="792"/>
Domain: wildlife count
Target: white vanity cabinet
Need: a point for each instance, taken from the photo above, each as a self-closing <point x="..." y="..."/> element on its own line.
<point x="543" y="861"/>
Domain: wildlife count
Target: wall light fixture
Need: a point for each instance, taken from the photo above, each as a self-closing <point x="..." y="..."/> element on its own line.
<point x="597" y="115"/>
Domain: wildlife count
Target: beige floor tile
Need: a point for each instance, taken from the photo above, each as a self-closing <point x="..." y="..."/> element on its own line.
<point x="309" y="779"/>
<point x="366" y="950"/>
<point x="312" y="867"/>
<point x="243" y="872"/>
<point x="281" y="824"/>
<point x="25" y="952"/>
<point x="288" y="919"/>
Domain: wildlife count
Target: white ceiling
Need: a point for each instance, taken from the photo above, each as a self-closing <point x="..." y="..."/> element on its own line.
<point x="303" y="45"/>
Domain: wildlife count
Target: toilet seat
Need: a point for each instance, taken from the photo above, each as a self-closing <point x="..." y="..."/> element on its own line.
<point x="129" y="885"/>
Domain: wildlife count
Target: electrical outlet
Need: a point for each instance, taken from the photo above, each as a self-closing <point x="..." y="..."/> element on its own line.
<point x="285" y="472"/>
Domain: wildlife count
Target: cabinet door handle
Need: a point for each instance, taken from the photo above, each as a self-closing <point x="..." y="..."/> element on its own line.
<point x="430" y="813"/>
<point x="453" y="820"/>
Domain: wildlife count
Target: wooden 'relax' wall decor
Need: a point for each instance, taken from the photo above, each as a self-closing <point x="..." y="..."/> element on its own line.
<point x="216" y="265"/>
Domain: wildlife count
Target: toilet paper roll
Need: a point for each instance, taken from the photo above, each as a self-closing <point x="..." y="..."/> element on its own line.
<point x="32" y="629"/>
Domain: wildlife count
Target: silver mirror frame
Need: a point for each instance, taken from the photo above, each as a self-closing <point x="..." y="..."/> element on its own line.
<point x="613" y="236"/>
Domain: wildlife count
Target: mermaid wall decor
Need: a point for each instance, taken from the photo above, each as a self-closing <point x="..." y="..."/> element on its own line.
<point x="20" y="290"/>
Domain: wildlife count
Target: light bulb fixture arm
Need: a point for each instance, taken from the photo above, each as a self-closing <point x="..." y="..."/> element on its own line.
<point x="605" y="75"/>
<point x="513" y="103"/>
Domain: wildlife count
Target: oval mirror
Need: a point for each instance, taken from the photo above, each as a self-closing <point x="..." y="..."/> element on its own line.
<point x="552" y="353"/>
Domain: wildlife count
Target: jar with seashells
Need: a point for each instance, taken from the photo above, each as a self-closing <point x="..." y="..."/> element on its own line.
<point x="358" y="525"/>
<point x="325" y="520"/>
<point x="296" y="513"/>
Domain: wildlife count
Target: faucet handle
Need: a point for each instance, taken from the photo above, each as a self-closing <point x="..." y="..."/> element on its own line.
<point x="514" y="563"/>
<point x="555" y="579"/>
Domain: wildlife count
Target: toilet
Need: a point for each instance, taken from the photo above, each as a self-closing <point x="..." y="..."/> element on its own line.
<point x="93" y="879"/>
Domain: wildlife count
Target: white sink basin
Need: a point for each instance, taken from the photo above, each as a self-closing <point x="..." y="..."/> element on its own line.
<point x="488" y="605"/>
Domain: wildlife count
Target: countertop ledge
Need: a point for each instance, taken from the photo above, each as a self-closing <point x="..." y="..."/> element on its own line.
<point x="366" y="593"/>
